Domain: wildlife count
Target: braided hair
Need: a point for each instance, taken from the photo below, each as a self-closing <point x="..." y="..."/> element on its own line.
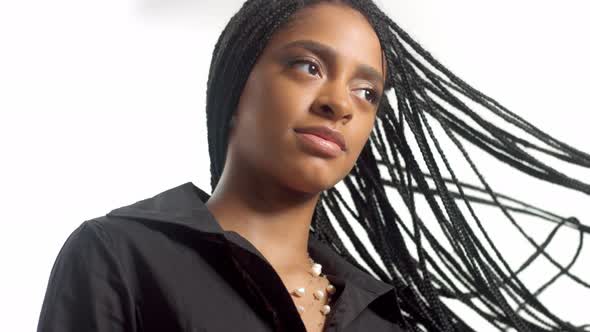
<point x="423" y="270"/>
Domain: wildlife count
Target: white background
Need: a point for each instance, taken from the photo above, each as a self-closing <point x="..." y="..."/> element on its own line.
<point x="102" y="104"/>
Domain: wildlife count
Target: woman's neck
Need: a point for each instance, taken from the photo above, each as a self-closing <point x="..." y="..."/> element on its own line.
<point x="275" y="220"/>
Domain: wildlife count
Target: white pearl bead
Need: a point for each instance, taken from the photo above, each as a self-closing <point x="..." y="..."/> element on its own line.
<point x="316" y="269"/>
<point x="299" y="291"/>
<point x="318" y="294"/>
<point x="300" y="309"/>
<point x="325" y="309"/>
<point x="331" y="289"/>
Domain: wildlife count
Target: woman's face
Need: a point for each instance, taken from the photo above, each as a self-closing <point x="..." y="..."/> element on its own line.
<point x="325" y="69"/>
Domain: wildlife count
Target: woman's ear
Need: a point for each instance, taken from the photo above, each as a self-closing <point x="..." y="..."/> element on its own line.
<point x="232" y="121"/>
<point x="231" y="126"/>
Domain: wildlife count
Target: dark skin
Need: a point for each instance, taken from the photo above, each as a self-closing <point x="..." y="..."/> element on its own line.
<point x="270" y="185"/>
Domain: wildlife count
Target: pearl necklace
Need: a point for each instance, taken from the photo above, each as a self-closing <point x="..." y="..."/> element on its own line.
<point x="316" y="271"/>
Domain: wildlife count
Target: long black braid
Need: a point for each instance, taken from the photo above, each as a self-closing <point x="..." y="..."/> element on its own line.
<point x="472" y="271"/>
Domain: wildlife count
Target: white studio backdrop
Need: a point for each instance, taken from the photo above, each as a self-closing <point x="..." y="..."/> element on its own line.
<point x="103" y="104"/>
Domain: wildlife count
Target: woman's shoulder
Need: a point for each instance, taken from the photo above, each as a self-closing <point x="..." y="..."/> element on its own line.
<point x="136" y="231"/>
<point x="101" y="268"/>
<point x="159" y="216"/>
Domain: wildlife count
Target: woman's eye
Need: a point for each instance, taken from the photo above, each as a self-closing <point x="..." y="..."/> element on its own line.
<point x="310" y="65"/>
<point x="370" y="95"/>
<point x="313" y="69"/>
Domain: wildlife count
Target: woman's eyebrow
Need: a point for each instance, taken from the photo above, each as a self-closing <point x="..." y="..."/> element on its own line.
<point x="326" y="51"/>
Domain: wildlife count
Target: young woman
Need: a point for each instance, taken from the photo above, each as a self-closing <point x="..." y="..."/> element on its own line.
<point x="296" y="103"/>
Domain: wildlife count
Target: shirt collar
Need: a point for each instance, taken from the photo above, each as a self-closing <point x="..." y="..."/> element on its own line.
<point x="184" y="205"/>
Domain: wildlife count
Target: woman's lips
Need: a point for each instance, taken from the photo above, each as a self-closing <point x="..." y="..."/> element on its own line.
<point x="319" y="146"/>
<point x="326" y="133"/>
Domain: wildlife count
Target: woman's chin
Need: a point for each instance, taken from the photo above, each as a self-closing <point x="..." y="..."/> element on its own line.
<point x="311" y="183"/>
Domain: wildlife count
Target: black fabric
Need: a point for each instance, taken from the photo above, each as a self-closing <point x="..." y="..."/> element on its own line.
<point x="165" y="264"/>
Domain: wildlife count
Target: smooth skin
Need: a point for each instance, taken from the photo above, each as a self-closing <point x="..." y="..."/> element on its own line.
<point x="271" y="184"/>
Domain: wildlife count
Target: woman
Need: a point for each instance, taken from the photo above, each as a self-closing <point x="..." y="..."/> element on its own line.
<point x="296" y="103"/>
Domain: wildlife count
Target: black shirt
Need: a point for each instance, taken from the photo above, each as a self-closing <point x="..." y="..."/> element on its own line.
<point x="165" y="264"/>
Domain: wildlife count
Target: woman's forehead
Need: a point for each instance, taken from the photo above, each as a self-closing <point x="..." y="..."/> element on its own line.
<point x="343" y="31"/>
